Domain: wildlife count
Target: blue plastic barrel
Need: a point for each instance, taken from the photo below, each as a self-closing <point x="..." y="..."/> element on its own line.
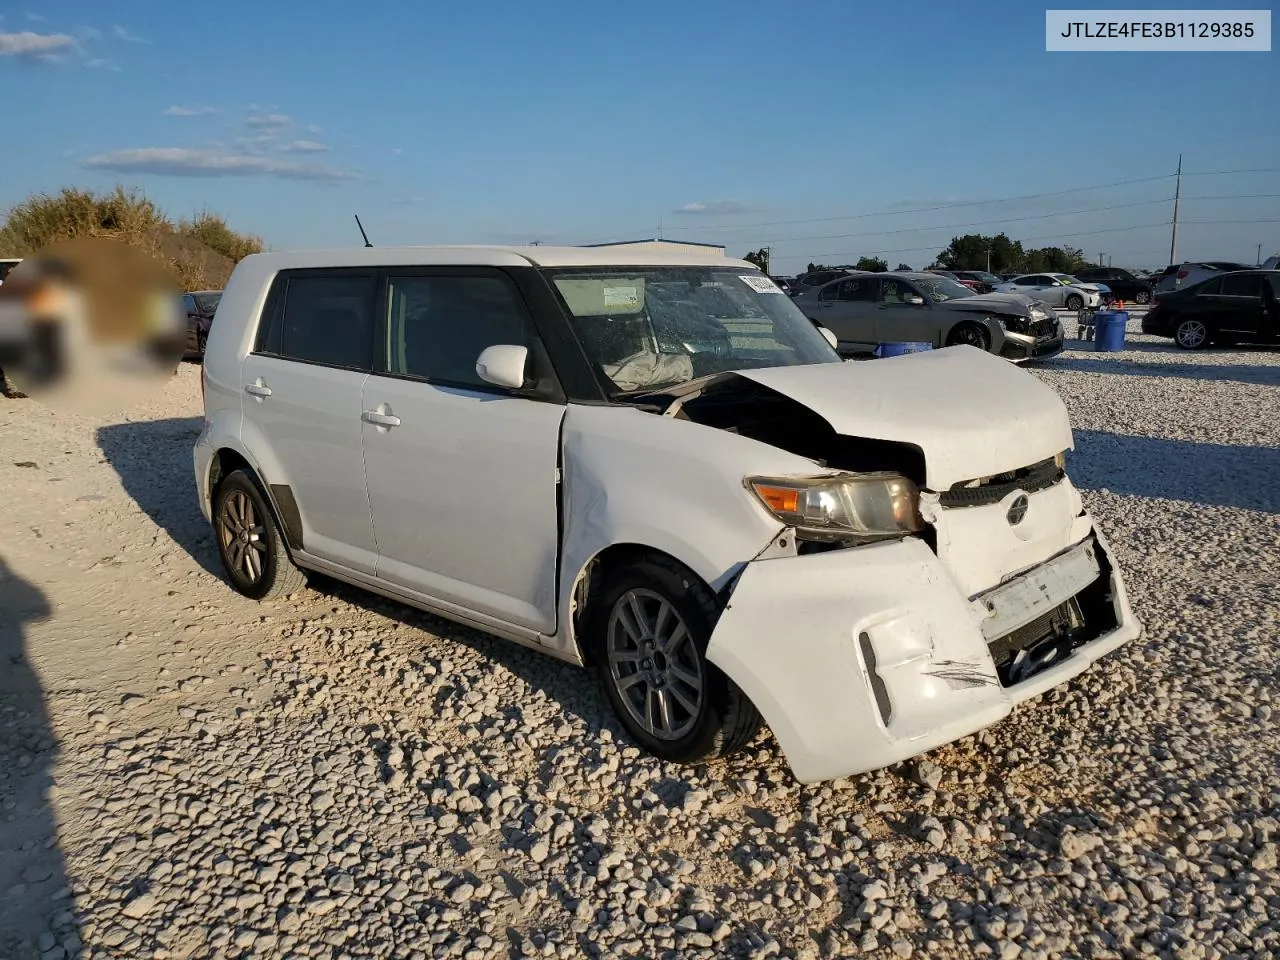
<point x="900" y="349"/>
<point x="1108" y="330"/>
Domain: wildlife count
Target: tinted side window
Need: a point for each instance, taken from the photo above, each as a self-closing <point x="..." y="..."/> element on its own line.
<point x="1210" y="289"/>
<point x="1242" y="285"/>
<point x="864" y="288"/>
<point x="329" y="320"/>
<point x="438" y="326"/>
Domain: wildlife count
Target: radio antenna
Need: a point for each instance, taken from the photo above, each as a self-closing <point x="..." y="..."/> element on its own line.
<point x="362" y="233"/>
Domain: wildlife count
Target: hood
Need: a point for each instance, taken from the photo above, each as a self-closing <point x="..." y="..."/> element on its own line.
<point x="972" y="414"/>
<point x="1016" y="303"/>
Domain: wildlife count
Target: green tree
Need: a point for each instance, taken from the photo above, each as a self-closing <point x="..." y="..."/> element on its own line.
<point x="760" y="258"/>
<point x="874" y="264"/>
<point x="971" y="252"/>
<point x="904" y="268"/>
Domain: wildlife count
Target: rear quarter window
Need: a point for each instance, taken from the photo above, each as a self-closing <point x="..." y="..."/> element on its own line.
<point x="322" y="317"/>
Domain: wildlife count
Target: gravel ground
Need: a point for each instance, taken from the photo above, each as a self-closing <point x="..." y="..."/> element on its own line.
<point x="184" y="773"/>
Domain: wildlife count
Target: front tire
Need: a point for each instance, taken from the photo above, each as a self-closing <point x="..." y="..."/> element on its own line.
<point x="249" y="542"/>
<point x="649" y="626"/>
<point x="1191" y="335"/>
<point x="1075" y="302"/>
<point x="971" y="334"/>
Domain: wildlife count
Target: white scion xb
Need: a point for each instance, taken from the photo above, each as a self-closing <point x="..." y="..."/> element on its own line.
<point x="655" y="465"/>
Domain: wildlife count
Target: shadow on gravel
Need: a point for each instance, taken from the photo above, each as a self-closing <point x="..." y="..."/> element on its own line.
<point x="576" y="690"/>
<point x="1214" y="474"/>
<point x="1258" y="375"/>
<point x="32" y="872"/>
<point x="153" y="460"/>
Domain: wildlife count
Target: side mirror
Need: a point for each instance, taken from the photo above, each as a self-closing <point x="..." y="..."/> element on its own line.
<point x="914" y="299"/>
<point x="829" y="337"/>
<point x="503" y="365"/>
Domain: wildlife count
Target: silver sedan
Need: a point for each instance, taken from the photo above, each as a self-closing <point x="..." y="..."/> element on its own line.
<point x="1055" y="289"/>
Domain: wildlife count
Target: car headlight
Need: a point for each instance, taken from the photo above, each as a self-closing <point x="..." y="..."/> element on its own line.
<point x="864" y="506"/>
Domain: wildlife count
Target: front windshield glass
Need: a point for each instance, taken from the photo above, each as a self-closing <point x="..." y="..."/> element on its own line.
<point x="986" y="277"/>
<point x="940" y="289"/>
<point x="207" y="302"/>
<point x="646" y="328"/>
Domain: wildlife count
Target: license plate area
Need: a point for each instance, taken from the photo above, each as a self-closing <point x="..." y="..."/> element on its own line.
<point x="1039" y="591"/>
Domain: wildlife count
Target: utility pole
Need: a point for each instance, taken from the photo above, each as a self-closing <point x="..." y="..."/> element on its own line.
<point x="1100" y="256"/>
<point x="768" y="259"/>
<point x="1177" y="195"/>
<point x="1259" y="260"/>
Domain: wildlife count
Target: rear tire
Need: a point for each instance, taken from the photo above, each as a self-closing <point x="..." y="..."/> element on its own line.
<point x="1142" y="296"/>
<point x="648" y="628"/>
<point x="1074" y="302"/>
<point x="1191" y="335"/>
<point x="249" y="542"/>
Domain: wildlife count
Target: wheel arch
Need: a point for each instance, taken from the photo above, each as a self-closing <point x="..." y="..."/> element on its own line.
<point x="591" y="574"/>
<point x="279" y="497"/>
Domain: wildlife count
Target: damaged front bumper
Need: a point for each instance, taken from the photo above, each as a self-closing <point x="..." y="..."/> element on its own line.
<point x="860" y="658"/>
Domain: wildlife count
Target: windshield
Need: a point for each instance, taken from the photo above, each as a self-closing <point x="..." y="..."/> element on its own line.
<point x="206" y="302"/>
<point x="650" y="327"/>
<point x="986" y="277"/>
<point x="941" y="289"/>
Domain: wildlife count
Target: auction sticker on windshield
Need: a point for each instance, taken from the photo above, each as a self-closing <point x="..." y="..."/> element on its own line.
<point x="761" y="284"/>
<point x="621" y="297"/>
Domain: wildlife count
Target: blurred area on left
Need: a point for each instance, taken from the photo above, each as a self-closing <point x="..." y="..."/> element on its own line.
<point x="89" y="325"/>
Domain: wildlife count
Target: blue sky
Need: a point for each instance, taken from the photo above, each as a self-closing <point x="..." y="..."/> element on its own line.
<point x="738" y="123"/>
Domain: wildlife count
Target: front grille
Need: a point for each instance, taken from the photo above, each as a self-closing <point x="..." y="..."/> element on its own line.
<point x="1045" y="640"/>
<point x="993" y="489"/>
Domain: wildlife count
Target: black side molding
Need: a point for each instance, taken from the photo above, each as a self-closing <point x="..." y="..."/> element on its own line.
<point x="287" y="507"/>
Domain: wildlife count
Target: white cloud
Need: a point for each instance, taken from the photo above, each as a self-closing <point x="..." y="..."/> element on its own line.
<point x="103" y="63"/>
<point x="185" y="162"/>
<point x="39" y="47"/>
<point x="88" y="33"/>
<point x="713" y="208"/>
<point x="269" y="121"/>
<point x="179" y="110"/>
<point x="303" y="146"/>
<point x="123" y="34"/>
<point x="35" y="17"/>
<point x="315" y="130"/>
<point x="397" y="151"/>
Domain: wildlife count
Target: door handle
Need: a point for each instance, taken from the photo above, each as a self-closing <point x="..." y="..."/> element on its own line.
<point x="258" y="388"/>
<point x="380" y="419"/>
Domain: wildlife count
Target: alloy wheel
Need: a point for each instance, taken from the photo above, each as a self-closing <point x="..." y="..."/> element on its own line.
<point x="655" y="664"/>
<point x="1191" y="334"/>
<point x="243" y="537"/>
<point x="1142" y="297"/>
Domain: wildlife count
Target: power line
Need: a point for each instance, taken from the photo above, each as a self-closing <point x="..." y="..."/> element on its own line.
<point x="1061" y="237"/>
<point x="643" y="231"/>
<point x="975" y="223"/>
<point x="940" y="206"/>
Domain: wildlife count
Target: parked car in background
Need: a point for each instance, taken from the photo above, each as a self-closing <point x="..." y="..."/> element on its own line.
<point x="816" y="278"/>
<point x="951" y="275"/>
<point x="200" y="306"/>
<point x="983" y="281"/>
<point x="1189" y="273"/>
<point x="1271" y="263"/>
<point x="786" y="283"/>
<point x="1123" y="284"/>
<point x="875" y="558"/>
<point x="1055" y="289"/>
<point x="870" y="309"/>
<point x="6" y="265"/>
<point x="1237" y="307"/>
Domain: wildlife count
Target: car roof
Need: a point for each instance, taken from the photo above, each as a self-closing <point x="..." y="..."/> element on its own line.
<point x="494" y="256"/>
